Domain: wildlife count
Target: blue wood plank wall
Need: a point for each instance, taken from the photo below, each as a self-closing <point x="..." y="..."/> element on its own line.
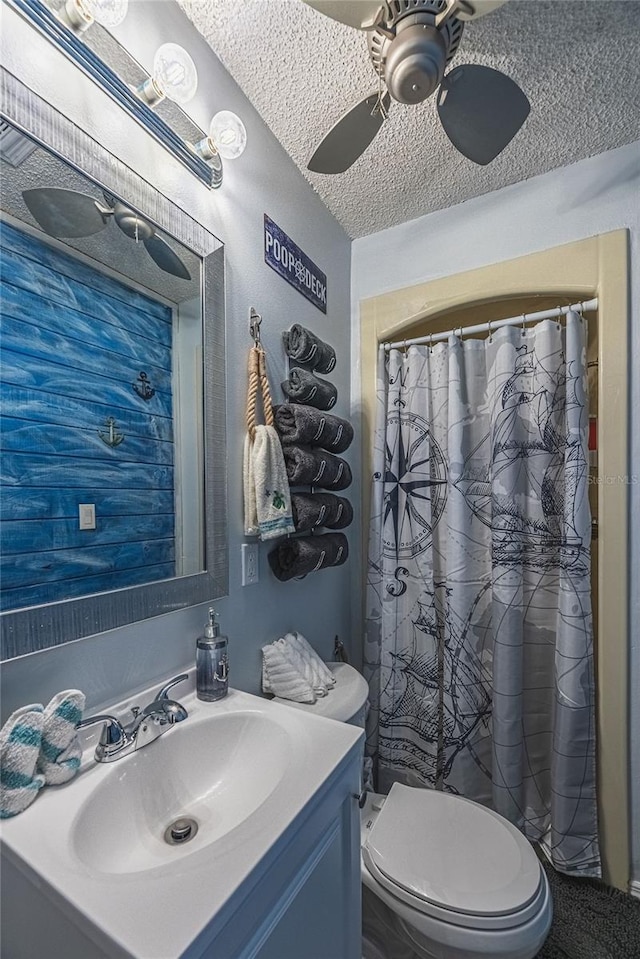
<point x="73" y="343"/>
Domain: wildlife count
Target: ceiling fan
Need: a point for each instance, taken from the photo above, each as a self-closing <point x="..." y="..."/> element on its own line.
<point x="68" y="213"/>
<point x="411" y="42"/>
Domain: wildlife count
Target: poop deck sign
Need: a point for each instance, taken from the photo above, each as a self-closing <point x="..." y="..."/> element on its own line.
<point x="287" y="259"/>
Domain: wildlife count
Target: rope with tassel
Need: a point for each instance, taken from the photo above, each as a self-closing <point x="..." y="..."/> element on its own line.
<point x="258" y="380"/>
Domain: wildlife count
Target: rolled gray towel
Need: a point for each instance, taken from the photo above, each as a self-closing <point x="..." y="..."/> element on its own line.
<point x="307" y="350"/>
<point x="298" y="424"/>
<point x="306" y="554"/>
<point x="308" y="467"/>
<point x="304" y="387"/>
<point x="320" y="509"/>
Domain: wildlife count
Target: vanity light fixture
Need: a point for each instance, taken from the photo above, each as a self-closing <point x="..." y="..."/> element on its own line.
<point x="174" y="77"/>
<point x="227" y="137"/>
<point x="80" y="14"/>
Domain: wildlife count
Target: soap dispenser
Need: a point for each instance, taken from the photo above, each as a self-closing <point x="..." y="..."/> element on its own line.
<point x="212" y="662"/>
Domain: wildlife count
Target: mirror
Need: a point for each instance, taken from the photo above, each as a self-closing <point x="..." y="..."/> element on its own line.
<point x="112" y="505"/>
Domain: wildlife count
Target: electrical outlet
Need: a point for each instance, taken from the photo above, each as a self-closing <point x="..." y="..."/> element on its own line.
<point x="249" y="564"/>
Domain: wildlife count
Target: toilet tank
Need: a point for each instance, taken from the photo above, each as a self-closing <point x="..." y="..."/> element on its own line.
<point x="346" y="701"/>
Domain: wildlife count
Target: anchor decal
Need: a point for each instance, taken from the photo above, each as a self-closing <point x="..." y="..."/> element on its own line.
<point x="112" y="438"/>
<point x="143" y="387"/>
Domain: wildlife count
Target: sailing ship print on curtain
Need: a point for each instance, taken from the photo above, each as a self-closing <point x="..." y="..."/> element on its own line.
<point x="478" y="647"/>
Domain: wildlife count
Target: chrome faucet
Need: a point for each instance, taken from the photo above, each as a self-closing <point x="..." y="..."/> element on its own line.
<point x="148" y="724"/>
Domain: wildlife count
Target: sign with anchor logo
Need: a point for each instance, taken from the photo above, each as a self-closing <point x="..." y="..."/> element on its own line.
<point x="287" y="259"/>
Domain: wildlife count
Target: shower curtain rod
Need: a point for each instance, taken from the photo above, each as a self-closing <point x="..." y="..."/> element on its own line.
<point x="490" y="327"/>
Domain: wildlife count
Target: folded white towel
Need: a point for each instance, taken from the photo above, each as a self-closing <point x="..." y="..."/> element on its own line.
<point x="20" y="739"/>
<point x="305" y="648"/>
<point x="281" y="678"/>
<point x="308" y="662"/>
<point x="267" y="500"/>
<point x="304" y="667"/>
<point x="60" y="750"/>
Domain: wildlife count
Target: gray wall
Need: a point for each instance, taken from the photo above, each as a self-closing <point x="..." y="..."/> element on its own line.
<point x="594" y="196"/>
<point x="263" y="180"/>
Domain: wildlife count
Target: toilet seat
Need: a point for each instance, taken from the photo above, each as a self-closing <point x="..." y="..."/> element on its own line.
<point x="454" y="860"/>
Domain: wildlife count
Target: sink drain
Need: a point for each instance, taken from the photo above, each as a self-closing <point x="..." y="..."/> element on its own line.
<point x="180" y="831"/>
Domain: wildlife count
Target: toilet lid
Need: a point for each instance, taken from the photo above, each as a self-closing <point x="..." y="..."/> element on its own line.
<point x="451" y="853"/>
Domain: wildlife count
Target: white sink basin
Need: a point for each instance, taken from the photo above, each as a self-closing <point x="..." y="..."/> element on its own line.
<point x="244" y="768"/>
<point x="217" y="771"/>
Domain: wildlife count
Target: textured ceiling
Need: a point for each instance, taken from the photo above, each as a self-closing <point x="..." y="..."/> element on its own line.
<point x="576" y="61"/>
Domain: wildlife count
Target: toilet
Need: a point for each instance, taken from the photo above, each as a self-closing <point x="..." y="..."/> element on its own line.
<point x="443" y="877"/>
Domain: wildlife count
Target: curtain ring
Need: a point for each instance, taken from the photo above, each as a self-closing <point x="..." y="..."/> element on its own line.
<point x="490" y="332"/>
<point x="431" y="342"/>
<point x="560" y="313"/>
<point x="524" y="320"/>
<point x="404" y="347"/>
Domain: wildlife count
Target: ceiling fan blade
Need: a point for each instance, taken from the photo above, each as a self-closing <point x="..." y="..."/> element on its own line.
<point x="361" y="14"/>
<point x="66" y="213"/>
<point x="349" y="137"/>
<point x="474" y="9"/>
<point x="162" y="254"/>
<point x="481" y="110"/>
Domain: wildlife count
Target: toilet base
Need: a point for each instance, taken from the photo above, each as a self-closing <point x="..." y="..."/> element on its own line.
<point x="380" y="937"/>
<point x="371" y="950"/>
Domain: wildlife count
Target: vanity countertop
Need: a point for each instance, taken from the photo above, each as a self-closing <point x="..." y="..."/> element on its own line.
<point x="245" y="767"/>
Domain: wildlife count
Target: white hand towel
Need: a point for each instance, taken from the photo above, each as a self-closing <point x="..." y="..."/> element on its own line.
<point x="281" y="678"/>
<point x="298" y="640"/>
<point x="60" y="750"/>
<point x="20" y="739"/>
<point x="267" y="496"/>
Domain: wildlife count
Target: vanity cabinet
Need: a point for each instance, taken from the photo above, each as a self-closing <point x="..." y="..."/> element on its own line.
<point x="308" y="903"/>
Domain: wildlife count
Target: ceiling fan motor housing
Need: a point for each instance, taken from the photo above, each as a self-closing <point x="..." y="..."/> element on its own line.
<point x="409" y="53"/>
<point x="416" y="60"/>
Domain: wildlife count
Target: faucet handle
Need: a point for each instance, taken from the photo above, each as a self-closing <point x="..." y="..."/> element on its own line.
<point x="112" y="731"/>
<point x="163" y="694"/>
<point x="112" y="736"/>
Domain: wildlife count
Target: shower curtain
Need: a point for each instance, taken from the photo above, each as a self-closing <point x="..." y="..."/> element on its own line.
<point x="478" y="646"/>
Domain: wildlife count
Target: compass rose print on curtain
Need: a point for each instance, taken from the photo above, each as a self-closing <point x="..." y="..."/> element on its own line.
<point x="478" y="646"/>
<point x="415" y="486"/>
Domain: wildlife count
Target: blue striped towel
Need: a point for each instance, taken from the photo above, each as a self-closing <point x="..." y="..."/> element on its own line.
<point x="60" y="750"/>
<point x="20" y="740"/>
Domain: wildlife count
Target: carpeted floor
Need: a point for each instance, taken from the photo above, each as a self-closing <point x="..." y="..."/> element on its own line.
<point x="591" y="921"/>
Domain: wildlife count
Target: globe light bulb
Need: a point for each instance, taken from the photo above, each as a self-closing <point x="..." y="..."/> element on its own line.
<point x="80" y="14"/>
<point x="229" y="135"/>
<point x="110" y="13"/>
<point x="174" y="73"/>
<point x="174" y="77"/>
